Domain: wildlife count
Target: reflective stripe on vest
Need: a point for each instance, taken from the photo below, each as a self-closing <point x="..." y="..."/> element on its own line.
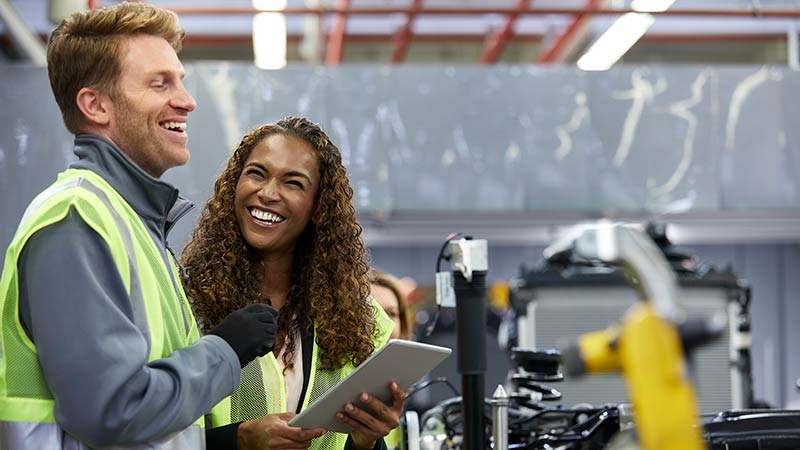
<point x="26" y="422"/>
<point x="49" y="436"/>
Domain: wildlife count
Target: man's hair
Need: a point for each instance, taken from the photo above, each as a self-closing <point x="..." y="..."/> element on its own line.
<point x="87" y="48"/>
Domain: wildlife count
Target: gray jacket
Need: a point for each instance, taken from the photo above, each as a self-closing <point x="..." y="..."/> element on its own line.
<point x="74" y="306"/>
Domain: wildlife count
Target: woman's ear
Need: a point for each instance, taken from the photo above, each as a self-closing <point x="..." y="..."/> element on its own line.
<point x="315" y="215"/>
<point x="94" y="105"/>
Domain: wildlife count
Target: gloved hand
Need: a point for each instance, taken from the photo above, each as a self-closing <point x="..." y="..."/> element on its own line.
<point x="250" y="331"/>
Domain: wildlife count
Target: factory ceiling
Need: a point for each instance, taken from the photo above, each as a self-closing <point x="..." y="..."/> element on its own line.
<point x="335" y="32"/>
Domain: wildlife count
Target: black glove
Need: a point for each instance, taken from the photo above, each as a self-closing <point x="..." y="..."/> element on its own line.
<point x="250" y="331"/>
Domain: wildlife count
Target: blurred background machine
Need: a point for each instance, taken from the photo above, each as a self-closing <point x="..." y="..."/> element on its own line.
<point x="623" y="308"/>
<point x="567" y="296"/>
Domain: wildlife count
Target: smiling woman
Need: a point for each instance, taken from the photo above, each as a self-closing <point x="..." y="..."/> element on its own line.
<point x="275" y="197"/>
<point x="280" y="228"/>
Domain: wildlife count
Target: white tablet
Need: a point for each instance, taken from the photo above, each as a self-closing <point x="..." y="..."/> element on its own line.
<point x="401" y="361"/>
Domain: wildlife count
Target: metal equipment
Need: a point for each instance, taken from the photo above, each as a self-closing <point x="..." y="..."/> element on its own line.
<point x="470" y="261"/>
<point x="569" y="295"/>
<point x="646" y="346"/>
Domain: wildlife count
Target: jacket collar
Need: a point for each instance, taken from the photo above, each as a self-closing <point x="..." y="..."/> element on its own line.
<point x="151" y="198"/>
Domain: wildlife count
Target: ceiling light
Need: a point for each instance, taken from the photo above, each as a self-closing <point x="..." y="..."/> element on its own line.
<point x="269" y="34"/>
<point x="622" y="35"/>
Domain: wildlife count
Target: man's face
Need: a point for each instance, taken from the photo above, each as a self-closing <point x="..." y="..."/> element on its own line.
<point x="151" y="106"/>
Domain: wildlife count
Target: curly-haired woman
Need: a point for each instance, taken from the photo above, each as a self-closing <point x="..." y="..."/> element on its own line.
<point x="280" y="228"/>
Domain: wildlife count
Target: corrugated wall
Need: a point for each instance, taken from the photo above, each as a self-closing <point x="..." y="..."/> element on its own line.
<point x="507" y="147"/>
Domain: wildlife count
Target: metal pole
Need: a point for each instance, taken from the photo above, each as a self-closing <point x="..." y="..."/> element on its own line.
<point x="427" y="10"/>
<point x="471" y="342"/>
<point x="470" y="263"/>
<point x="500" y="418"/>
<point x="417" y="9"/>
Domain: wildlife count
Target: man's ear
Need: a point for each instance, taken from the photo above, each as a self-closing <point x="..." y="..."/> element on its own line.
<point x="94" y="105"/>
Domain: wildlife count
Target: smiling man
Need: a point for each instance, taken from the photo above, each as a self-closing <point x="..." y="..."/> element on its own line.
<point x="98" y="345"/>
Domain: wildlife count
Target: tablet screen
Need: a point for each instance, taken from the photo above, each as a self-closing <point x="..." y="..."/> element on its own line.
<point x="401" y="361"/>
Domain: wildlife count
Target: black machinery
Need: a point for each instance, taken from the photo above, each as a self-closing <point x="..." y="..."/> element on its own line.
<point x="572" y="295"/>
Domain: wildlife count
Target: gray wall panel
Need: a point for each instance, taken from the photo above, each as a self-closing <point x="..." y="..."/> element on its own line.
<point x="762" y="265"/>
<point x="789" y="320"/>
<point x="444" y="144"/>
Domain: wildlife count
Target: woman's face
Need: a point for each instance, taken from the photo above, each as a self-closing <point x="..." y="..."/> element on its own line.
<point x="275" y="194"/>
<point x="386" y="298"/>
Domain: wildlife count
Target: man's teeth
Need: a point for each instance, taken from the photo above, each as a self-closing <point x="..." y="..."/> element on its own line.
<point x="180" y="126"/>
<point x="266" y="216"/>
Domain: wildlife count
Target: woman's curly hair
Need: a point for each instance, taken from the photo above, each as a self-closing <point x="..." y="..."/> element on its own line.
<point x="330" y="284"/>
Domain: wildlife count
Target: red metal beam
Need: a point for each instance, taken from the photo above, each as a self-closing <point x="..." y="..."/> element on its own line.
<point x="402" y="39"/>
<point x="566" y="42"/>
<point x="716" y="37"/>
<point x="194" y="40"/>
<point x="496" y="43"/>
<point x="197" y="40"/>
<point x="752" y="13"/>
<point x="333" y="56"/>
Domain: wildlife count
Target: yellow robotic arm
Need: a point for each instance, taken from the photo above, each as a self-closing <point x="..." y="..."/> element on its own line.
<point x="645" y="346"/>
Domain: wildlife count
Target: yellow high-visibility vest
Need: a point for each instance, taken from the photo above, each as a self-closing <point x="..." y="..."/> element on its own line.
<point x="161" y="309"/>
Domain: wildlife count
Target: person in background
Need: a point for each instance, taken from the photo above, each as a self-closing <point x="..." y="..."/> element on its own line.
<point x="388" y="292"/>
<point x="280" y="228"/>
<point x="99" y="347"/>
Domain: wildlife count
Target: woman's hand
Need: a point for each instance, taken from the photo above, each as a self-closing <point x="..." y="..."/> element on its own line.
<point x="272" y="432"/>
<point x="369" y="425"/>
